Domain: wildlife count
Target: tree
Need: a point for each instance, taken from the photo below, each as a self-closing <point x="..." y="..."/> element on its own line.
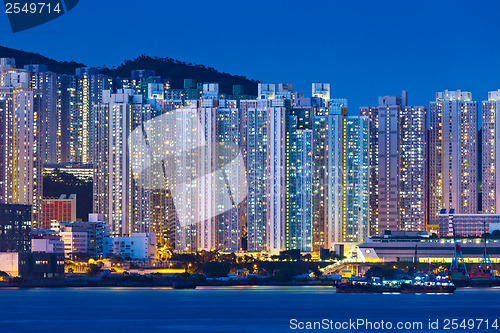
<point x="93" y="270"/>
<point x="216" y="268"/>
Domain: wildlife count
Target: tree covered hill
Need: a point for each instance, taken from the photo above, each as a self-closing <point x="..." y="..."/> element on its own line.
<point x="166" y="67"/>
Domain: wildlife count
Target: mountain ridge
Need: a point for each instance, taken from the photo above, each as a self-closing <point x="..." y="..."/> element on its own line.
<point x="166" y="67"/>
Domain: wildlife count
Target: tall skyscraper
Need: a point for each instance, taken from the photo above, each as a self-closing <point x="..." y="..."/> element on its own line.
<point x="413" y="174"/>
<point x="228" y="127"/>
<point x="398" y="164"/>
<point x="20" y="144"/>
<point x="67" y="121"/>
<point x="453" y="154"/>
<point x="491" y="154"/>
<point x="356" y="180"/>
<point x="340" y="181"/>
<point x="46" y="81"/>
<point x="388" y="160"/>
<point x="263" y="146"/>
<point x="298" y="174"/>
<point x="254" y="146"/>
<point x="121" y="197"/>
<point x="89" y="92"/>
<point x="372" y="114"/>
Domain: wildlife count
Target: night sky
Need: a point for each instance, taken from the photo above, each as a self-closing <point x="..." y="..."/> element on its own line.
<point x="363" y="48"/>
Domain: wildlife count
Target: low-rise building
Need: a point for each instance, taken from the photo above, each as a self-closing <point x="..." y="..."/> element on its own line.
<point x="47" y="241"/>
<point x="32" y="265"/>
<point x="466" y="225"/>
<point x="82" y="240"/>
<point x="140" y="246"/>
<point x="15" y="228"/>
<point x="404" y="246"/>
<point x="62" y="209"/>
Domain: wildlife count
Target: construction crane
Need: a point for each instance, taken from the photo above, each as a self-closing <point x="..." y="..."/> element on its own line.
<point x="458" y="270"/>
<point x="485" y="264"/>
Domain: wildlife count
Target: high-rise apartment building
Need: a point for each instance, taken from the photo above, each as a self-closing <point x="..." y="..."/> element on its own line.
<point x="356" y="180"/>
<point x="372" y="114"/>
<point x="89" y="92"/>
<point x="298" y="173"/>
<point x="20" y="144"/>
<point x="491" y="154"/>
<point x="122" y="198"/>
<point x="413" y="174"/>
<point x="67" y="120"/>
<point x="340" y="181"/>
<point x="263" y="146"/>
<point x="398" y="164"/>
<point x="453" y="154"/>
<point x="45" y="81"/>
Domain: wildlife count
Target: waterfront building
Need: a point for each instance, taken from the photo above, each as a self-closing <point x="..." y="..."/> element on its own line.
<point x="466" y="225"/>
<point x="15" y="228"/>
<point x="453" y="154"/>
<point x="141" y="246"/>
<point x="404" y="246"/>
<point x="62" y="209"/>
<point x="35" y="265"/>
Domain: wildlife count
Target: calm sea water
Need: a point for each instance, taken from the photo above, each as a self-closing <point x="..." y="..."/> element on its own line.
<point x="229" y="309"/>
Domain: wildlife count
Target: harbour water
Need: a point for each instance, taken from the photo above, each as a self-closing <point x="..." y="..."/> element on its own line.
<point x="235" y="309"/>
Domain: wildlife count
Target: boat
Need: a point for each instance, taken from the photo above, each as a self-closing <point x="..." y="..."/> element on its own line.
<point x="365" y="285"/>
<point x="429" y="283"/>
<point x="419" y="284"/>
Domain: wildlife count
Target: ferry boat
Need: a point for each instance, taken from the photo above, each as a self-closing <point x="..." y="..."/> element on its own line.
<point x="420" y="284"/>
<point x="427" y="283"/>
<point x="365" y="285"/>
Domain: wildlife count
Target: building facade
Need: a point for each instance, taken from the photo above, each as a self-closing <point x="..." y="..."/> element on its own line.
<point x="15" y="228"/>
<point x="491" y="154"/>
<point x="453" y="154"/>
<point x="62" y="209"/>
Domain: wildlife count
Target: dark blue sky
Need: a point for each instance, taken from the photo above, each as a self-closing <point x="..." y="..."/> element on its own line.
<point x="363" y="48"/>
